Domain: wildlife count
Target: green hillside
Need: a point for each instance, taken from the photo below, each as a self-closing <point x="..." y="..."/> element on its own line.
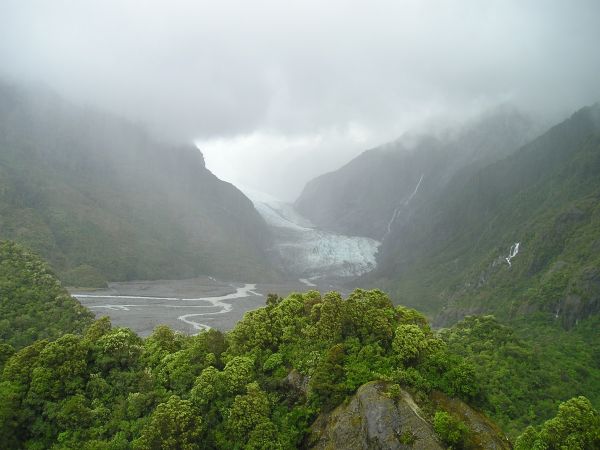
<point x="274" y="381"/>
<point x="101" y="199"/>
<point x="450" y="259"/>
<point x="111" y="389"/>
<point x="33" y="304"/>
<point x="287" y="376"/>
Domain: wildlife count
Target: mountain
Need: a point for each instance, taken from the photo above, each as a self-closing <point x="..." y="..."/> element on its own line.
<point x="101" y="199"/>
<point x="516" y="240"/>
<point x="379" y="187"/>
<point x="516" y="237"/>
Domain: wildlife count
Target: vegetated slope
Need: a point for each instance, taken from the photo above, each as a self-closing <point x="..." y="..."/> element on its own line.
<point x="540" y="205"/>
<point x="279" y="379"/>
<point x="260" y="386"/>
<point x="100" y="199"/>
<point x="379" y="187"/>
<point x="33" y="304"/>
<point x="526" y="369"/>
<point x="517" y="239"/>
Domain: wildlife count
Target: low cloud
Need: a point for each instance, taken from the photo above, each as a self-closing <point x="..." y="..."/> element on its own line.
<point x="285" y="80"/>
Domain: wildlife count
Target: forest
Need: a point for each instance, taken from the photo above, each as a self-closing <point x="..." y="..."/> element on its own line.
<point x="73" y="383"/>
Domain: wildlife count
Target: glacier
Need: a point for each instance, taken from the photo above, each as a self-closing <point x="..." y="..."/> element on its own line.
<point x="308" y="252"/>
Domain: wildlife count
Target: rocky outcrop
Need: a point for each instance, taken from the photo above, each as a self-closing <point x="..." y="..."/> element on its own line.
<point x="373" y="420"/>
<point x="297" y="382"/>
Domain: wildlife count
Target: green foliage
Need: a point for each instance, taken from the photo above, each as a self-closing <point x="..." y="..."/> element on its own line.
<point x="84" y="275"/>
<point x="111" y="389"/>
<point x="247" y="412"/>
<point x="327" y="387"/>
<point x="526" y="370"/>
<point x="173" y="425"/>
<point x="451" y="431"/>
<point x="407" y="438"/>
<point x="575" y="427"/>
<point x="409" y="343"/>
<point x="33" y="304"/>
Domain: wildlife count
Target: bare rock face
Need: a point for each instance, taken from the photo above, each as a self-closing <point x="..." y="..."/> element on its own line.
<point x="298" y="382"/>
<point x="372" y="420"/>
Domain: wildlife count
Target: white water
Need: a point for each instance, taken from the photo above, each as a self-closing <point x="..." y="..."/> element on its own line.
<point x="306" y="282"/>
<point x="213" y="302"/>
<point x="514" y="251"/>
<point x="404" y="204"/>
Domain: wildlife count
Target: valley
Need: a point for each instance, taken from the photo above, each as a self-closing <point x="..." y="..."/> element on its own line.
<point x="206" y="294"/>
<point x="299" y="225"/>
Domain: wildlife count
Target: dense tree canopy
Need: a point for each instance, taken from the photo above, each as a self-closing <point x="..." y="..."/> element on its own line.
<point x="91" y="386"/>
<point x="108" y="388"/>
<point x="33" y="304"/>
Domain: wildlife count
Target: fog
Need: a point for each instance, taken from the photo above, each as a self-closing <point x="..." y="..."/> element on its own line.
<point x="276" y="92"/>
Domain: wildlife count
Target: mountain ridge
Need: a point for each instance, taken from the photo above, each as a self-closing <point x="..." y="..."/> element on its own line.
<point x="366" y="194"/>
<point x="82" y="187"/>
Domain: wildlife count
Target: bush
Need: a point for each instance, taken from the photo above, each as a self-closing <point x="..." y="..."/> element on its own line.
<point x="451" y="431"/>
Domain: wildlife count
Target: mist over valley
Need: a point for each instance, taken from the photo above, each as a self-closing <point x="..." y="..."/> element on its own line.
<point x="269" y="225"/>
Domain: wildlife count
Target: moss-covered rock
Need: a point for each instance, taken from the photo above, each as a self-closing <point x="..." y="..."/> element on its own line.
<point x="483" y="433"/>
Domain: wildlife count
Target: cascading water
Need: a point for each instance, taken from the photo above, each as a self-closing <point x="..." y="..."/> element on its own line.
<point x="514" y="251"/>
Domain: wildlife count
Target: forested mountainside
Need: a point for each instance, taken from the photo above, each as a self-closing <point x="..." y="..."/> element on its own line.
<point x="101" y="199"/>
<point x="33" y="304"/>
<point x="309" y="370"/>
<point x="515" y="237"/>
<point x="367" y="196"/>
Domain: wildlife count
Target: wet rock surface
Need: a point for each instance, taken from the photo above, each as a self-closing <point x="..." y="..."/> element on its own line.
<point x="372" y="420"/>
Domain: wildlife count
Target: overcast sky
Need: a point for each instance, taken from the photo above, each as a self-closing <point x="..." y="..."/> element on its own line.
<point x="276" y="92"/>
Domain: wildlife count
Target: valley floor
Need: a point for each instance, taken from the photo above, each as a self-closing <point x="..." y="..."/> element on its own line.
<point x="186" y="305"/>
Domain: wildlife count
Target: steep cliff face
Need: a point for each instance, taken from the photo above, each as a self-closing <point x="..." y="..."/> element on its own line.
<point x="97" y="195"/>
<point x="372" y="419"/>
